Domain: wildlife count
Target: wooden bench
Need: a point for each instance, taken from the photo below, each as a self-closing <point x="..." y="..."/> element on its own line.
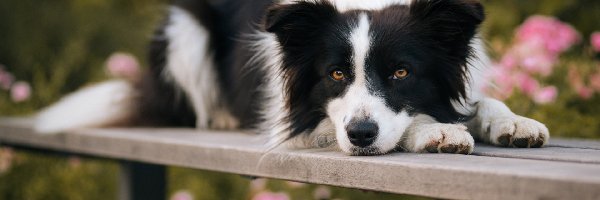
<point x="565" y="169"/>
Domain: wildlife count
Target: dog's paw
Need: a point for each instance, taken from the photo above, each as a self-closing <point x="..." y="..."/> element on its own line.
<point x="224" y="120"/>
<point x="443" y="138"/>
<point x="517" y="131"/>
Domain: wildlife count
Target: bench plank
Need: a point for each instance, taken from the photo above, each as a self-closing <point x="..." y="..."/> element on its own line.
<point x="575" y="143"/>
<point x="494" y="173"/>
<point x="551" y="153"/>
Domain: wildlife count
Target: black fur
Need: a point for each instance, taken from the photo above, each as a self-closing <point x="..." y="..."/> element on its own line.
<point x="310" y="37"/>
<point x="228" y="21"/>
<point x="430" y="38"/>
<point x="160" y="103"/>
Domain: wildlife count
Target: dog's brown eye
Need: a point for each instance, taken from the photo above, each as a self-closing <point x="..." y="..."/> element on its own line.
<point x="400" y="74"/>
<point x="337" y="75"/>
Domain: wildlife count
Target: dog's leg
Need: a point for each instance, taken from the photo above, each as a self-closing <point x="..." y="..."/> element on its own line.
<point x="494" y="123"/>
<point x="322" y="137"/>
<point x="190" y="64"/>
<point x="425" y="134"/>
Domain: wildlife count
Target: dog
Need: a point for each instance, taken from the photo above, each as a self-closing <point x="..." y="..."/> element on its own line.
<point x="364" y="77"/>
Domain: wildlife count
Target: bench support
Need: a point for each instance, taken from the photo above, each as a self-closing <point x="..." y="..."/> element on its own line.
<point x="142" y="181"/>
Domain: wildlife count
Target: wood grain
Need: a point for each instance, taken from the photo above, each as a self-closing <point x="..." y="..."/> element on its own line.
<point x="568" y="170"/>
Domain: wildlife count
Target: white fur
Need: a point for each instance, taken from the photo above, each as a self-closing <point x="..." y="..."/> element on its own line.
<point x="190" y="65"/>
<point x="361" y="44"/>
<point x="98" y="105"/>
<point x="426" y="131"/>
<point x="358" y="102"/>
<point x="323" y="136"/>
<point x="477" y="67"/>
<point x="346" y="5"/>
<point x="273" y="111"/>
<point x="494" y="119"/>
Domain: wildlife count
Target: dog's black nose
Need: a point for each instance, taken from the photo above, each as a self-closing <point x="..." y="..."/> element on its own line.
<point x="362" y="133"/>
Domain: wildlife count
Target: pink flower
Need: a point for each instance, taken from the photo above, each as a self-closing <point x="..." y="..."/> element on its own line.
<point x="20" y="91"/>
<point x="531" y="57"/>
<point x="123" y="65"/>
<point x="6" y="159"/>
<point x="585" y="92"/>
<point x="545" y="95"/>
<point x="595" y="81"/>
<point x="6" y="79"/>
<point x="503" y="82"/>
<point x="554" y="35"/>
<point x="182" y="195"/>
<point x="538" y="43"/>
<point x="527" y="84"/>
<point x="574" y="78"/>
<point x="577" y="83"/>
<point x="509" y="62"/>
<point x="540" y="63"/>
<point x="271" y="196"/>
<point x="322" y="192"/>
<point x="595" y="40"/>
<point x="258" y="184"/>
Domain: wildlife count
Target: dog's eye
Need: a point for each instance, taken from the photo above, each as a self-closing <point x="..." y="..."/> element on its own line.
<point x="337" y="75"/>
<point x="400" y="74"/>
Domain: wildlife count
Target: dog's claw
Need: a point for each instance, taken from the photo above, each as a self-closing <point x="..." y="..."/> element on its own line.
<point x="504" y="140"/>
<point x="538" y="143"/>
<point x="463" y="149"/>
<point x="449" y="148"/>
<point x="432" y="148"/>
<point x="521" y="142"/>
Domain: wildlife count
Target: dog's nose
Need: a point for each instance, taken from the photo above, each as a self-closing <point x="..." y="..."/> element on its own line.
<point x="362" y="133"/>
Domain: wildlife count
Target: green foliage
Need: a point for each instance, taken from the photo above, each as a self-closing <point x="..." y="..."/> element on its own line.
<point x="60" y="45"/>
<point x="208" y="185"/>
<point x="503" y="16"/>
<point x="35" y="176"/>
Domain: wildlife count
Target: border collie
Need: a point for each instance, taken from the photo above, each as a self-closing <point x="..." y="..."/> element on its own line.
<point x="364" y="76"/>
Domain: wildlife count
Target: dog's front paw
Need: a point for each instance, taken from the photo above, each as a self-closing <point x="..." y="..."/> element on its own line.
<point x="442" y="138"/>
<point x="517" y="131"/>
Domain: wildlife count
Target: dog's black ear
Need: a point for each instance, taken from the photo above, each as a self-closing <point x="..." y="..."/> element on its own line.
<point x="449" y="26"/>
<point x="299" y="19"/>
<point x="452" y="17"/>
<point x="449" y="22"/>
<point x="300" y="28"/>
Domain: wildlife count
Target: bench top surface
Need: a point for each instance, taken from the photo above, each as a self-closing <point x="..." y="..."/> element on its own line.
<point x="564" y="169"/>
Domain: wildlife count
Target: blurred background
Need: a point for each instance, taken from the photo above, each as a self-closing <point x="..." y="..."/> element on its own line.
<point x="546" y="66"/>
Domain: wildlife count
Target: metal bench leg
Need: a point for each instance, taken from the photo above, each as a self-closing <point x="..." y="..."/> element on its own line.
<point x="142" y="181"/>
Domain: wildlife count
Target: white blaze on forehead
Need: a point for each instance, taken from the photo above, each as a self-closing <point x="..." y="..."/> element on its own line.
<point x="361" y="43"/>
<point x="346" y="5"/>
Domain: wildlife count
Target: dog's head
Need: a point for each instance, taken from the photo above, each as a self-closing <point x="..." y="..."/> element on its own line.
<point x="369" y="69"/>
